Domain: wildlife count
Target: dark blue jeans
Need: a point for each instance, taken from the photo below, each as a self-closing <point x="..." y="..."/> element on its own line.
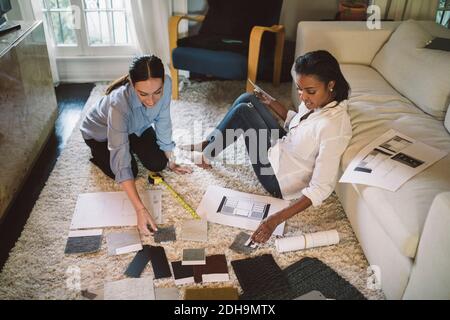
<point x="251" y="118"/>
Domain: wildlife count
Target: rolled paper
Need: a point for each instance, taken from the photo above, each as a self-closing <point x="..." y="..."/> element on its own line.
<point x="307" y="241"/>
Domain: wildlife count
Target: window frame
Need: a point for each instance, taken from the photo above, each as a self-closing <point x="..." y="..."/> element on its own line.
<point x="83" y="48"/>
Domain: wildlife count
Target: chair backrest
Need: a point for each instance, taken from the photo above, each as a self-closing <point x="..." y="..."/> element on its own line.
<point x="236" y="18"/>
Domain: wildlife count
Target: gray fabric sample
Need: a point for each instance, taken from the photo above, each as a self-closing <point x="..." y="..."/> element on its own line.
<point x="123" y="239"/>
<point x="167" y="294"/>
<point x="195" y="230"/>
<point x="239" y="244"/>
<point x="79" y="245"/>
<point x="194" y="257"/>
<point x="165" y="235"/>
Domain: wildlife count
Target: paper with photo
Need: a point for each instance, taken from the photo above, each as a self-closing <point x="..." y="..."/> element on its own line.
<point x="113" y="209"/>
<point x="390" y="161"/>
<point x="239" y="209"/>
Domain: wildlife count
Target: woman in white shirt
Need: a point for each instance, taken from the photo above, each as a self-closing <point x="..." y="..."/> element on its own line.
<point x="303" y="162"/>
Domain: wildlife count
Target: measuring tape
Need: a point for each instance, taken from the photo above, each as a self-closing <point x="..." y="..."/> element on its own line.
<point x="156" y="179"/>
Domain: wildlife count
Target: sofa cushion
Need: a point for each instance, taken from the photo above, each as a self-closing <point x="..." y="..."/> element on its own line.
<point x="374" y="108"/>
<point x="420" y="74"/>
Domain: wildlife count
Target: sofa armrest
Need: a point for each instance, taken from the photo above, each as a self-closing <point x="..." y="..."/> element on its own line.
<point x="348" y="41"/>
<point x="430" y="278"/>
<point x="255" y="48"/>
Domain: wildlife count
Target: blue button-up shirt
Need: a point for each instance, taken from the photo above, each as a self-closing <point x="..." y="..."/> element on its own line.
<point x="120" y="114"/>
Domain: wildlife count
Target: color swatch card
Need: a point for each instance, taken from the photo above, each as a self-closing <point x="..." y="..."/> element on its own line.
<point x="165" y="234"/>
<point x="139" y="263"/>
<point x="201" y="294"/>
<point x="123" y="242"/>
<point x="260" y="278"/>
<point x="82" y="242"/>
<point x="194" y="257"/>
<point x="130" y="289"/>
<point x="167" y="294"/>
<point x="241" y="244"/>
<point x="195" y="230"/>
<point x="182" y="274"/>
<point x="160" y="264"/>
<point x="215" y="270"/>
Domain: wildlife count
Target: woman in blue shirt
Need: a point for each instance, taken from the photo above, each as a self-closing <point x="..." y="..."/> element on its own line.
<point x="134" y="117"/>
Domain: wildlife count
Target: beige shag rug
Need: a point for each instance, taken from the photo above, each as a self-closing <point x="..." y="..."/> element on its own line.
<point x="38" y="269"/>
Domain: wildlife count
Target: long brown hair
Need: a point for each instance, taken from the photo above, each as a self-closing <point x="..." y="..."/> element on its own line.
<point x="141" y="69"/>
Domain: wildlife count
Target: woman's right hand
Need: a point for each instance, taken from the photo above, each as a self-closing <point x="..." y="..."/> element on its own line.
<point x="144" y="221"/>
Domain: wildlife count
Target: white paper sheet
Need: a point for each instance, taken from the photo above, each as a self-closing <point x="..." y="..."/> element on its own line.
<point x="390" y="161"/>
<point x="112" y="209"/>
<point x="240" y="209"/>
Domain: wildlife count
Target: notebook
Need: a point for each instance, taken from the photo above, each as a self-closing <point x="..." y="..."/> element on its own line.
<point x="193" y="257"/>
<point x="182" y="274"/>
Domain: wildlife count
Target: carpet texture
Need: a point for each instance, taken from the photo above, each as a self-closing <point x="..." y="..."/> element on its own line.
<point x="38" y="269"/>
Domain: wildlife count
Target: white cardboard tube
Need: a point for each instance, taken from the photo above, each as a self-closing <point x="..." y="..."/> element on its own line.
<point x="307" y="241"/>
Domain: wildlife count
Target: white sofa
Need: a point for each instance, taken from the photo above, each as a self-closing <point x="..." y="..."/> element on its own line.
<point x="396" y="83"/>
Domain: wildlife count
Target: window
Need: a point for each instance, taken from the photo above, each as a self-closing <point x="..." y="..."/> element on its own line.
<point x="443" y="14"/>
<point x="89" y="27"/>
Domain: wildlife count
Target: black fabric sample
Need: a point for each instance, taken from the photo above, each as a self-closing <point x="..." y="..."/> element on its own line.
<point x="160" y="264"/>
<point x="261" y="278"/>
<point x="139" y="263"/>
<point x="79" y="245"/>
<point x="439" y="44"/>
<point x="311" y="274"/>
<point x="182" y="272"/>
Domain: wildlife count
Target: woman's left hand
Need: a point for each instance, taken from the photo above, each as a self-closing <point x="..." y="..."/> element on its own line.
<point x="179" y="169"/>
<point x="265" y="230"/>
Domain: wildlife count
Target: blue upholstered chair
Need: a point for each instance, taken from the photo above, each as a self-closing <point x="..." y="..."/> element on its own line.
<point x="238" y="39"/>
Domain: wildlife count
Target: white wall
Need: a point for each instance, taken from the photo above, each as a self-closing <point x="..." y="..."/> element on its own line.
<point x="294" y="11"/>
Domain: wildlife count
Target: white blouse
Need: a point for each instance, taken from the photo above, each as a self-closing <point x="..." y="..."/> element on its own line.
<point x="306" y="161"/>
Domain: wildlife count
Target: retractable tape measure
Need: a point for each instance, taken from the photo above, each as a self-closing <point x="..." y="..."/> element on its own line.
<point x="157" y="179"/>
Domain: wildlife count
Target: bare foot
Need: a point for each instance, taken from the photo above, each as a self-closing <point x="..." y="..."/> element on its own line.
<point x="199" y="147"/>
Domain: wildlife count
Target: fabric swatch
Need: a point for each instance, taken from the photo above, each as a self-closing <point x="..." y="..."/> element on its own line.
<point x="167" y="294"/>
<point x="165" y="235"/>
<point x="215" y="270"/>
<point x="81" y="242"/>
<point x="160" y="264"/>
<point x="195" y="230"/>
<point x="261" y="278"/>
<point x="239" y="244"/>
<point x="311" y="274"/>
<point x="139" y="263"/>
<point x="182" y="274"/>
<point x="225" y="294"/>
<point x="130" y="289"/>
<point x="123" y="242"/>
<point x="193" y="257"/>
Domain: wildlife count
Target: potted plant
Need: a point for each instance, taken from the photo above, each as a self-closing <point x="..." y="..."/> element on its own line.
<point x="353" y="10"/>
